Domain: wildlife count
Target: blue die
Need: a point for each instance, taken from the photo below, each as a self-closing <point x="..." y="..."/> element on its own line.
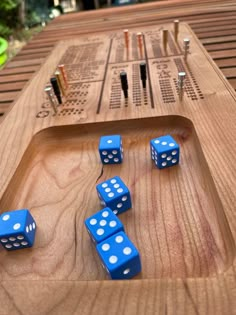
<point x="111" y="150"/>
<point x="113" y="193"/>
<point x="17" y="229"/>
<point x="164" y="151"/>
<point x="102" y="225"/>
<point x="119" y="256"/>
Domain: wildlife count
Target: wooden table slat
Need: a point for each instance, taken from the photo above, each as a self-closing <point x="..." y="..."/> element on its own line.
<point x="220" y="46"/>
<point x="230" y="73"/>
<point x="12" y="87"/>
<point x="36" y="56"/>
<point x="8" y="96"/>
<point x="226" y="62"/>
<point x="223" y="54"/>
<point x="232" y="82"/>
<point x="24" y="63"/>
<point x="15" y="77"/>
<point x="19" y="70"/>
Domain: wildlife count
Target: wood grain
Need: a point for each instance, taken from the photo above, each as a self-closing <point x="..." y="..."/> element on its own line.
<point x="177" y="241"/>
<point x="217" y="15"/>
<point x="183" y="218"/>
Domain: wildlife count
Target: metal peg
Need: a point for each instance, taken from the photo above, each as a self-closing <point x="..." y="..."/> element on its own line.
<point x="176" y="29"/>
<point x="62" y="70"/>
<point x="143" y="73"/>
<point x="48" y="91"/>
<point x="186" y="48"/>
<point x="56" y="89"/>
<point x="165" y="40"/>
<point x="140" y="43"/>
<point x="181" y="82"/>
<point x="126" y="38"/>
<point x="60" y="82"/>
<point x="124" y="83"/>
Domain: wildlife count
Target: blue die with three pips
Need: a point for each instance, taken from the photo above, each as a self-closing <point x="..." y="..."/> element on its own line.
<point x="164" y="151"/>
<point x="119" y="256"/>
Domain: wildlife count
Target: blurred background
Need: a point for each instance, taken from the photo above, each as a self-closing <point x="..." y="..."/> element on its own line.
<point x="15" y="14"/>
<point x="21" y="19"/>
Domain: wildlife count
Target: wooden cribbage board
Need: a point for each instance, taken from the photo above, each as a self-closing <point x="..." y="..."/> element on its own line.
<point x="183" y="218"/>
<point x="93" y="65"/>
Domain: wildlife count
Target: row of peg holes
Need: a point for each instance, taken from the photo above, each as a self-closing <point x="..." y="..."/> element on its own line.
<point x="79" y="86"/>
<point x="77" y="89"/>
<point x="156" y="50"/>
<point x="77" y="94"/>
<point x="196" y="85"/>
<point x="134" y="46"/>
<point x="69" y="111"/>
<point x="69" y="55"/>
<point x="115" y="98"/>
<point x="189" y="91"/>
<point x="166" y="91"/>
<point x="119" y="53"/>
<point x="136" y="85"/>
<point x="188" y="86"/>
<point x="75" y="102"/>
<point x="172" y="45"/>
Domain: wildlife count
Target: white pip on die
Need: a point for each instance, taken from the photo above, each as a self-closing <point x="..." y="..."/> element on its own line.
<point x="17" y="229"/>
<point x="164" y="151"/>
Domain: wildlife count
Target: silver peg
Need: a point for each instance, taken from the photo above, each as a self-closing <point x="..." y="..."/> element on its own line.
<point x="176" y="29"/>
<point x="186" y="48"/>
<point x="181" y="81"/>
<point x="48" y="91"/>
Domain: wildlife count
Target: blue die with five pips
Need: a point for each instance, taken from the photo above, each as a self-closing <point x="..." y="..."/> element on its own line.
<point x="102" y="225"/>
<point x="111" y="149"/>
<point x="164" y="151"/>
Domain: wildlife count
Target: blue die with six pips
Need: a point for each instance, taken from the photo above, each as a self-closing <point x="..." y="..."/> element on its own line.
<point x="17" y="229"/>
<point x="113" y="193"/>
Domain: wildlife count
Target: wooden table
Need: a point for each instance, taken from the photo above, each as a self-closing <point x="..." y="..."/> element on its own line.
<point x="212" y="21"/>
<point x="186" y="235"/>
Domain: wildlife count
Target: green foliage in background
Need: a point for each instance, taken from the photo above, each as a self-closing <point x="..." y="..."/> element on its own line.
<point x="32" y="18"/>
<point x="9" y="16"/>
<point x="36" y="12"/>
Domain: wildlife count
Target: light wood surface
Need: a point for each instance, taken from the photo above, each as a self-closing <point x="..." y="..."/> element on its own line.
<point x="183" y="218"/>
<point x="213" y="21"/>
